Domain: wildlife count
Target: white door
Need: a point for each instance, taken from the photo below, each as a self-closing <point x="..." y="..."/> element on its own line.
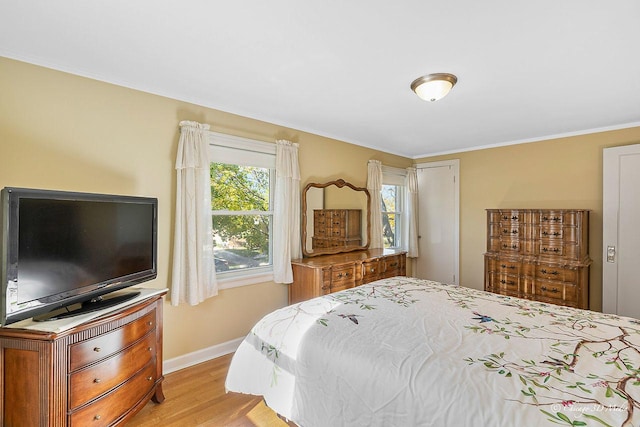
<point x="621" y="231"/>
<point x="438" y="213"/>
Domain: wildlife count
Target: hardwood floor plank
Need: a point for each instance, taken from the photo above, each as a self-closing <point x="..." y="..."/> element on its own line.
<point x="196" y="397"/>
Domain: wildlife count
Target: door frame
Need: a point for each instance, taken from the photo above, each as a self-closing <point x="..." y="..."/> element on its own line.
<point x="610" y="215"/>
<point x="455" y="165"/>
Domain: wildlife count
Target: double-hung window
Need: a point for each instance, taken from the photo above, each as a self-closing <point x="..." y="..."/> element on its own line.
<point x="393" y="206"/>
<point x="242" y="189"/>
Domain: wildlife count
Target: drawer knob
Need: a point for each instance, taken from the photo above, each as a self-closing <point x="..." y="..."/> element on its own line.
<point x="149" y="378"/>
<point x="97" y="417"/>
<point x="97" y="349"/>
<point x="150" y="323"/>
<point x="373" y="270"/>
<point x="97" y="380"/>
<point x="150" y="348"/>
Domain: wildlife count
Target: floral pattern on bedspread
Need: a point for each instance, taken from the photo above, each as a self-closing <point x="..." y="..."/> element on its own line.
<point x="541" y="364"/>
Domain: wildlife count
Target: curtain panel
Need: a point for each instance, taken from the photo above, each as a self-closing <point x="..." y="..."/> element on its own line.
<point x="193" y="279"/>
<point x="412" y="212"/>
<point x="374" y="185"/>
<point x="286" y="211"/>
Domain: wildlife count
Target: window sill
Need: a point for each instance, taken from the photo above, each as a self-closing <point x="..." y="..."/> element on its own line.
<point x="236" y="280"/>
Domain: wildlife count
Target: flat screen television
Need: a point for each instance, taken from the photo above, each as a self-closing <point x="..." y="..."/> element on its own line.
<point x="63" y="252"/>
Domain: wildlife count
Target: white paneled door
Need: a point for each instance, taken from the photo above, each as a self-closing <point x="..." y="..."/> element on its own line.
<point x="438" y="225"/>
<point x="621" y="231"/>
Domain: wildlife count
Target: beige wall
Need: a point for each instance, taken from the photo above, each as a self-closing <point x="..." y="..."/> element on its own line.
<point x="66" y="132"/>
<point x="60" y="131"/>
<point x="558" y="173"/>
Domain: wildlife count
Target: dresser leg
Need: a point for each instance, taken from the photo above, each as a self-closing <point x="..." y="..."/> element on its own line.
<point x="158" y="396"/>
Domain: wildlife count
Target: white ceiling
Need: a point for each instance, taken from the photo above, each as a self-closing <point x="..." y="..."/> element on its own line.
<point x="342" y="68"/>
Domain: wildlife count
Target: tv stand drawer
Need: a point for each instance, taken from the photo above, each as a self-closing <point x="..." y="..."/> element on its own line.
<point x="102" y="346"/>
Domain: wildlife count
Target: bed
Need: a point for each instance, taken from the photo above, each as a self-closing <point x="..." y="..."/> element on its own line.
<point x="410" y="352"/>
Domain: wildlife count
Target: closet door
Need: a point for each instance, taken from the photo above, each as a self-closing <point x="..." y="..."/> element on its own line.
<point x="438" y="223"/>
<point x="621" y="231"/>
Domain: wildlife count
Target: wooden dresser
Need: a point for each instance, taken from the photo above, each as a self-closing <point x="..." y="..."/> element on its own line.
<point x="325" y="274"/>
<point x="99" y="373"/>
<point x="334" y="228"/>
<point x="539" y="254"/>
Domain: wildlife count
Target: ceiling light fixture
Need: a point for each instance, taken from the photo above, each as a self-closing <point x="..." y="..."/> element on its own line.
<point x="433" y="86"/>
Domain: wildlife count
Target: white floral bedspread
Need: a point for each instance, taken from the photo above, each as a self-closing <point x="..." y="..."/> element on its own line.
<point x="410" y="352"/>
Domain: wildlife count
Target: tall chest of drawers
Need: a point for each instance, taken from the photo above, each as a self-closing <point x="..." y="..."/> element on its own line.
<point x="321" y="275"/>
<point x="99" y="373"/>
<point x="539" y="254"/>
<point x="334" y="228"/>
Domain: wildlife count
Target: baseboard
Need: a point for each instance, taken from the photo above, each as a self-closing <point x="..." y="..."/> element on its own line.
<point x="200" y="356"/>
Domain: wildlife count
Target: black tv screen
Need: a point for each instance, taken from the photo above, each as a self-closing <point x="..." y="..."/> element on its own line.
<point x="61" y="248"/>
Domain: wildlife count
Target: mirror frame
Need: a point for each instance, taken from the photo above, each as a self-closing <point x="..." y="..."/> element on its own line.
<point x="340" y="183"/>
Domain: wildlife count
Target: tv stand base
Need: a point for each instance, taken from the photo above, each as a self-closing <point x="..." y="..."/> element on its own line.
<point x="101" y="372"/>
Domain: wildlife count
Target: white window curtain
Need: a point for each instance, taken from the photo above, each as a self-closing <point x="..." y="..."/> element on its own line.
<point x="286" y="211"/>
<point x="193" y="277"/>
<point x="374" y="185"/>
<point x="412" y="213"/>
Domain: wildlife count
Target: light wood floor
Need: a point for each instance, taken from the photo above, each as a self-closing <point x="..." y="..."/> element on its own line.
<point x="195" y="396"/>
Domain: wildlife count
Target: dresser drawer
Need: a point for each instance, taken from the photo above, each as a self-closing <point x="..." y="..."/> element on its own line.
<point x="510" y="245"/>
<point x="87" y="384"/>
<point x="505" y="282"/>
<point x="370" y="271"/>
<point x="320" y="230"/>
<point x="512" y="216"/>
<point x="343" y="277"/>
<point x="551" y="217"/>
<point x="564" y="293"/>
<point x="392" y="266"/>
<point x="505" y="266"/>
<point x="551" y="248"/>
<point x="109" y="408"/>
<point x="92" y="350"/>
<point x="556" y="273"/>
<point x="337" y="231"/>
<point x="511" y="230"/>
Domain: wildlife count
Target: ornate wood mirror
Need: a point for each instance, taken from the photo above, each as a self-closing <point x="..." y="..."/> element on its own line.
<point x="336" y="218"/>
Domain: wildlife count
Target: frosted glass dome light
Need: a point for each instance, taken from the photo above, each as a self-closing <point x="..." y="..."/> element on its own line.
<point x="433" y="86"/>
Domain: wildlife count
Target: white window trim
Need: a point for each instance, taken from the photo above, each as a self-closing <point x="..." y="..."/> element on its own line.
<point x="397" y="176"/>
<point x="220" y="146"/>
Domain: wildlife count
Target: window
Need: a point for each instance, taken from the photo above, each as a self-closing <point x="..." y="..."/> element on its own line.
<point x="242" y="184"/>
<point x="392" y="206"/>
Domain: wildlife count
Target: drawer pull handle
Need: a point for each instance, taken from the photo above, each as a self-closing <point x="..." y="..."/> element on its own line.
<point x="554" y="290"/>
<point x="512" y="267"/>
<point x="97" y="380"/>
<point x="554" y="272"/>
<point x="507" y="282"/>
<point x="97" y="349"/>
<point x="505" y="246"/>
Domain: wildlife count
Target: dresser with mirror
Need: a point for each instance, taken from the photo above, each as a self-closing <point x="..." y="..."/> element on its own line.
<point x="336" y="233"/>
